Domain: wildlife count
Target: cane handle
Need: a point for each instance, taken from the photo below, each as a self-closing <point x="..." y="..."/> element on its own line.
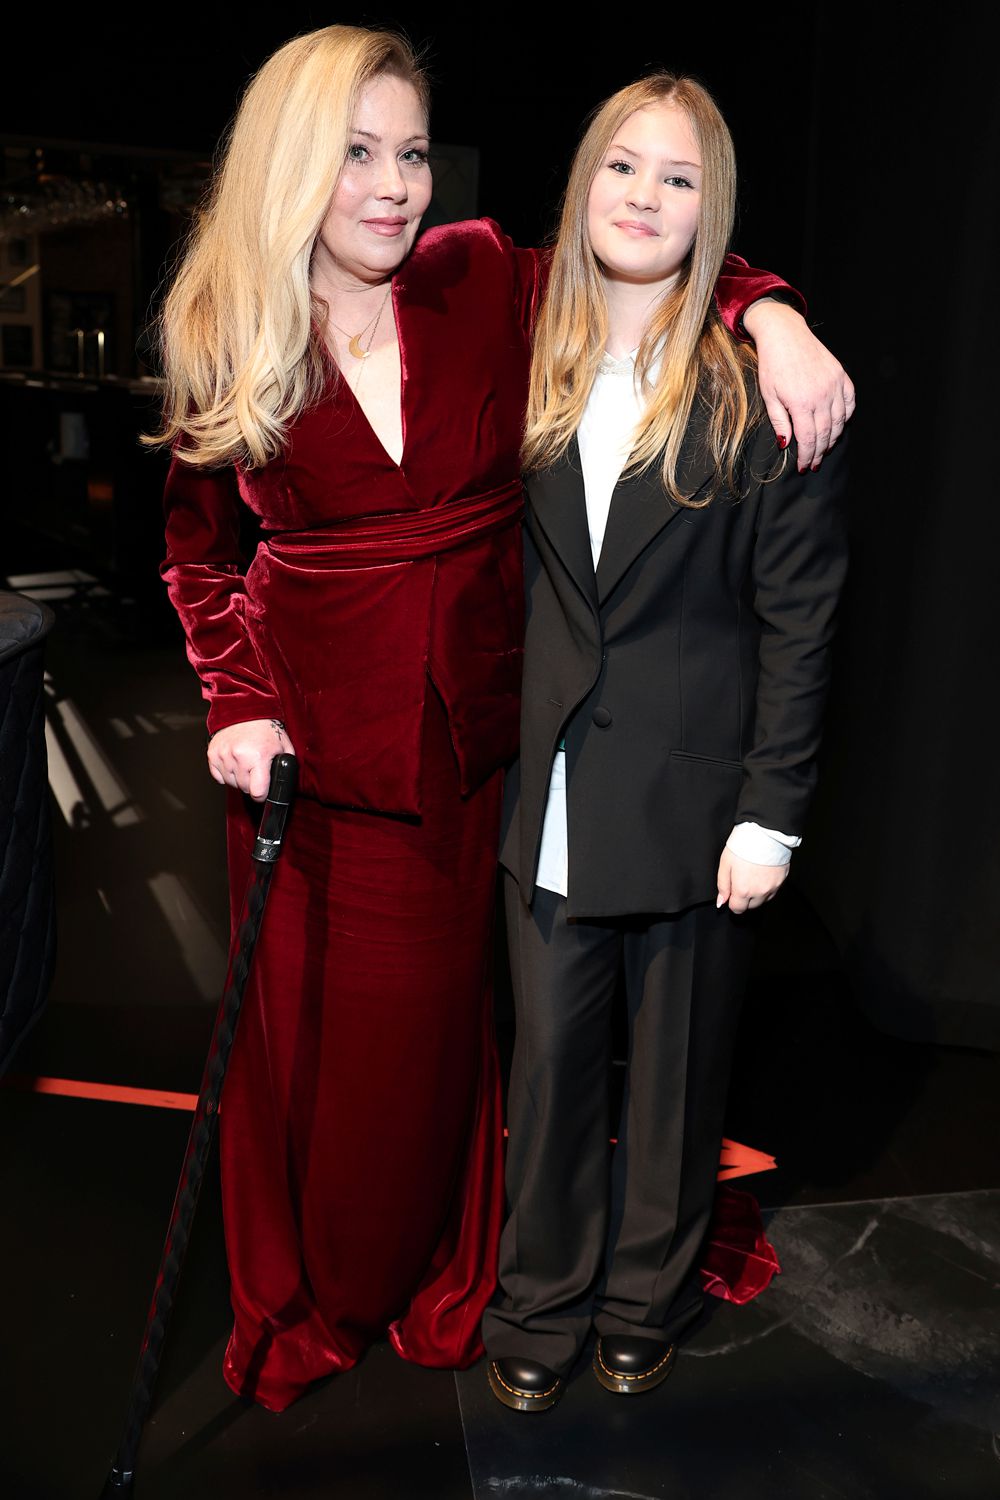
<point x="284" y="774"/>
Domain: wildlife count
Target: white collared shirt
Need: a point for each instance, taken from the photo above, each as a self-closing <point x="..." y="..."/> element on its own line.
<point x="605" y="440"/>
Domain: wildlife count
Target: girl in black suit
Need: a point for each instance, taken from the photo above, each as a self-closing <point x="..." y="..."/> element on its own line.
<point x="682" y="578"/>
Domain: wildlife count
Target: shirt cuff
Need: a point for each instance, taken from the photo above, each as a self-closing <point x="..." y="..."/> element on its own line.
<point x="762" y="846"/>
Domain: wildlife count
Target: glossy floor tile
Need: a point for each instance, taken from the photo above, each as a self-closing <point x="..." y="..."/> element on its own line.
<point x="870" y="1370"/>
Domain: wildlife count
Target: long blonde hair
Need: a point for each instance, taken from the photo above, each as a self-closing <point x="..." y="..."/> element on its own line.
<point x="239" y="355"/>
<point x="700" y="361"/>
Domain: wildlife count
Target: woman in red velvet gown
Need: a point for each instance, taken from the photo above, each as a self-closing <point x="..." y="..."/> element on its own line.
<point x="362" y="393"/>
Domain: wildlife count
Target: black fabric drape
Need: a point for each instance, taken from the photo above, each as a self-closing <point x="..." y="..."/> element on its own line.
<point x="902" y="858"/>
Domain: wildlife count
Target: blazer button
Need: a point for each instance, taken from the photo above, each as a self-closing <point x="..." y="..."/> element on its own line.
<point x="602" y="718"/>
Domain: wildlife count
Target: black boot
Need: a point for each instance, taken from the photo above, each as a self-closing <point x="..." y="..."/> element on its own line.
<point x="524" y="1384"/>
<point x="628" y="1365"/>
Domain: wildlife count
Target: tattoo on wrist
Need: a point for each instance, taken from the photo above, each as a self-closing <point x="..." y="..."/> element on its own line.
<point x="278" y="727"/>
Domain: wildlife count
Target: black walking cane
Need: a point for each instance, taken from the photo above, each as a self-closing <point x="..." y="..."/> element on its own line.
<point x="265" y="852"/>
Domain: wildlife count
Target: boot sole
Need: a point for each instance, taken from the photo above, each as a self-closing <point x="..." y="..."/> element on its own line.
<point x="519" y="1400"/>
<point x="634" y="1385"/>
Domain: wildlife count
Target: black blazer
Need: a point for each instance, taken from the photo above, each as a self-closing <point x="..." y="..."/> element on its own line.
<point x="688" y="676"/>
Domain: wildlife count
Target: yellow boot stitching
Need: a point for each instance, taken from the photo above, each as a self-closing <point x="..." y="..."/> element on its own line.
<point x="643" y="1374"/>
<point x="526" y="1395"/>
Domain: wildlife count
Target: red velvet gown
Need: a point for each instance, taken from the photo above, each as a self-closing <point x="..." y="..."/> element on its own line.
<point x="381" y="619"/>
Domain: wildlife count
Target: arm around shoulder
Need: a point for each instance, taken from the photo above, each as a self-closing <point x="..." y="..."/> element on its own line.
<point x="740" y="287"/>
<point x="528" y="271"/>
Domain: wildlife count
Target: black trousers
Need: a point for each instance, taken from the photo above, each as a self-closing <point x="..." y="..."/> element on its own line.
<point x="601" y="1237"/>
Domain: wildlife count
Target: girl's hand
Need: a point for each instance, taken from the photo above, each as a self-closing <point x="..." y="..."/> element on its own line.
<point x="241" y="755"/>
<point x="744" y="885"/>
<point x="805" y="388"/>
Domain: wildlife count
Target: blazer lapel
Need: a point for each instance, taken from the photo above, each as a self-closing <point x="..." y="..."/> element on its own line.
<point x="640" y="508"/>
<point x="559" y="504"/>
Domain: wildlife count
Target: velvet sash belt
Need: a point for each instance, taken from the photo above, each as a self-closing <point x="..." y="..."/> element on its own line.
<point x="404" y="535"/>
<point x="352" y="619"/>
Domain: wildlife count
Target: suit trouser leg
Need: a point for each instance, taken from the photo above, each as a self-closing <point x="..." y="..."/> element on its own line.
<point x="684" y="979"/>
<point x="558" y="1153"/>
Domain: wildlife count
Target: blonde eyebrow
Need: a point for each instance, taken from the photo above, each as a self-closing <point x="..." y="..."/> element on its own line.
<point x="370" y="135"/>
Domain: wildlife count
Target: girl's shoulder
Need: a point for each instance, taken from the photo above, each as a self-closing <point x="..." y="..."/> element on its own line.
<point x="767" y="463"/>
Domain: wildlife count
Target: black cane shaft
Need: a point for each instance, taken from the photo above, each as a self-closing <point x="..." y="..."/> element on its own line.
<point x="266" y="850"/>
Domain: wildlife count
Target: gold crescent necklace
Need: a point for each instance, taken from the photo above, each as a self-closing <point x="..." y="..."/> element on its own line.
<point x="354" y="339"/>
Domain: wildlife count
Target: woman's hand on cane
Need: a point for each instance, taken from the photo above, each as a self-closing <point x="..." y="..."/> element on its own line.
<point x="744" y="885"/>
<point x="241" y="754"/>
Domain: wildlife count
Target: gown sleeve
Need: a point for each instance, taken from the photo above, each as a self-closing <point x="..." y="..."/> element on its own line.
<point x="739" y="285"/>
<point x="205" y="582"/>
<point x="528" y="271"/>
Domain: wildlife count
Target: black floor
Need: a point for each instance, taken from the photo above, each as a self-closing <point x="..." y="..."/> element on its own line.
<point x="868" y="1369"/>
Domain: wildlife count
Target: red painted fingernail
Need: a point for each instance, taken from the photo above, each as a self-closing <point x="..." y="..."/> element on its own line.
<point x="782" y="442"/>
<point x="816" y="466"/>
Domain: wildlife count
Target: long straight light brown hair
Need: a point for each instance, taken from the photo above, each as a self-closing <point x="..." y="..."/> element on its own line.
<point x="238" y="351"/>
<point x="700" y="360"/>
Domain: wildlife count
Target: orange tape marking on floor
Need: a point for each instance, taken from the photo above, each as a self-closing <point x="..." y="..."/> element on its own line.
<point x="735" y="1160"/>
<point x="109" y="1092"/>
<point x="742" y="1161"/>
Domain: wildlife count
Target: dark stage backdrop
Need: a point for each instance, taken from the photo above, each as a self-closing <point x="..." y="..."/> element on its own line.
<point x="869" y="178"/>
<point x="903" y="859"/>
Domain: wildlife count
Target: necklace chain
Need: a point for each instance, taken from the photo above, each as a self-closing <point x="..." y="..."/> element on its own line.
<point x="355" y="338"/>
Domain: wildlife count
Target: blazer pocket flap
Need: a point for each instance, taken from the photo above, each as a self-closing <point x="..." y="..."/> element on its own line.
<point x="706" y="760"/>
